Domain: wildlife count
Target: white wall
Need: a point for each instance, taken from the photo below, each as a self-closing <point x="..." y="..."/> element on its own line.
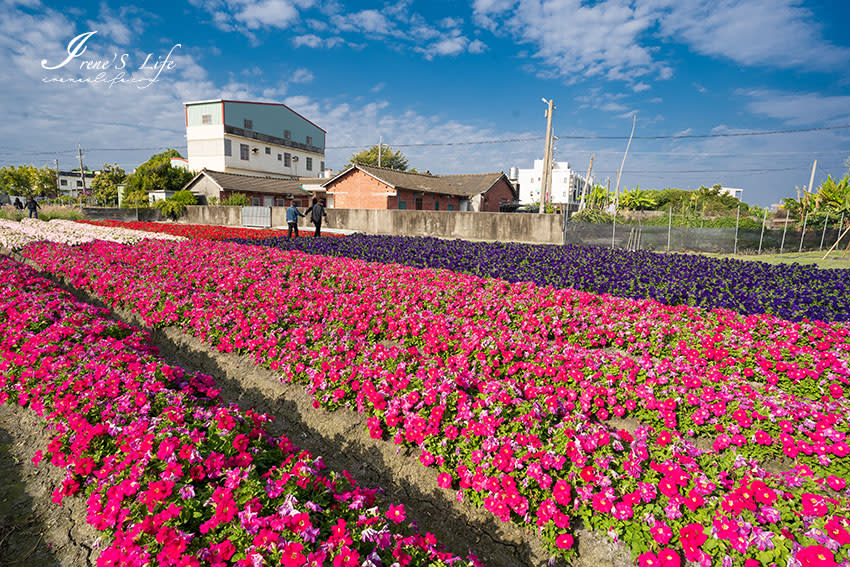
<point x="260" y="162"/>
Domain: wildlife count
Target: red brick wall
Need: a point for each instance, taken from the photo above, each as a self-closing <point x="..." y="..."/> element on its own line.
<point x="359" y="190"/>
<point x="499" y="193"/>
<point x="429" y="201"/>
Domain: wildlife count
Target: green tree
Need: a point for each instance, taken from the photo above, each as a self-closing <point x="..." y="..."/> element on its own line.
<point x="105" y="184"/>
<point x="156" y="174"/>
<point x="175" y="206"/>
<point x="389" y="158"/>
<point x="237" y="200"/>
<point x="28" y="180"/>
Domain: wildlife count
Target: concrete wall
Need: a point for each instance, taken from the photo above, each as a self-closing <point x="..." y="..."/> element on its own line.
<point x="125" y="215"/>
<point x="226" y="216"/>
<point x="473" y="226"/>
<point x="445" y="224"/>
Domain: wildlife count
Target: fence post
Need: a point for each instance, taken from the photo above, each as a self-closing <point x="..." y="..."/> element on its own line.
<point x="803" y="234"/>
<point x="614" y="228"/>
<point x="822" y="236"/>
<point x="669" y="226"/>
<point x="763" y="222"/>
<point x="737" y="220"/>
<point x="784" y="230"/>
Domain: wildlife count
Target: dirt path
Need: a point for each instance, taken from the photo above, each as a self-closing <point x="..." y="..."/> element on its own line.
<point x="33" y="530"/>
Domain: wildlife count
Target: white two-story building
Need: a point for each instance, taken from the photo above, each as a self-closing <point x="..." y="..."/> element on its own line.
<point x="566" y="183"/>
<point x="253" y="138"/>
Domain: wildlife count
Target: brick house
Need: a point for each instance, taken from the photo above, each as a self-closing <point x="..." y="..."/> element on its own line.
<point x="262" y="191"/>
<point x="369" y="187"/>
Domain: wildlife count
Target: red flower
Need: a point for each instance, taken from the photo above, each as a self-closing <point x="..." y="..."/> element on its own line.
<point x="669" y="558"/>
<point x="292" y="556"/>
<point x="561" y="492"/>
<point x="564" y="541"/>
<point x="396" y="513"/>
<point x="648" y="559"/>
<point x="815" y="556"/>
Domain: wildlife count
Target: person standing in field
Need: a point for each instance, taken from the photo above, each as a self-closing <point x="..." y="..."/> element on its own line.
<point x="32" y="207"/>
<point x="317" y="211"/>
<point x="292" y="214"/>
<point x="18" y="205"/>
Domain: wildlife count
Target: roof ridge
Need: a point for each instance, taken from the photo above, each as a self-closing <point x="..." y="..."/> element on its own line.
<point x="289" y="178"/>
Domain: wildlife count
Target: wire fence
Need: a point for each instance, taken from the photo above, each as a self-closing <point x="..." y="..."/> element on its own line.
<point x="689" y="234"/>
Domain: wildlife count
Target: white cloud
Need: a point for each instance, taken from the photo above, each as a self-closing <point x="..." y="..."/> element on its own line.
<point x="248" y="16"/>
<point x="364" y="21"/>
<point x="618" y="39"/>
<point x="314" y="41"/>
<point x="568" y="35"/>
<point x="700" y="88"/>
<point x="779" y="33"/>
<point x="302" y="76"/>
<point x="477" y="46"/>
<point x="799" y="109"/>
<point x="640" y="87"/>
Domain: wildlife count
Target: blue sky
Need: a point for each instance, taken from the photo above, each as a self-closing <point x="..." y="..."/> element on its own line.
<point x="437" y="72"/>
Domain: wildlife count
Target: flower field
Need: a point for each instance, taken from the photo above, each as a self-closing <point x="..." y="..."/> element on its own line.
<point x="789" y="291"/>
<point x="206" y="232"/>
<point x="15" y="235"/>
<point x="172" y="474"/>
<point x="688" y="435"/>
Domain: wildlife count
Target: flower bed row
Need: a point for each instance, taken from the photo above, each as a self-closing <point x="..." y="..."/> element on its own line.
<point x="15" y="235"/>
<point x="175" y="476"/>
<point x="789" y="291"/>
<point x="206" y="232"/>
<point x="707" y="436"/>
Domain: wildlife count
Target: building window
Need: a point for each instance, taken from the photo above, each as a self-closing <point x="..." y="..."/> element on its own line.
<point x="279" y="157"/>
<point x="309" y="140"/>
<point x="268" y="151"/>
<point x="249" y="124"/>
<point x="227" y="150"/>
<point x="309" y="164"/>
<point x="79" y="183"/>
<point x="451" y="207"/>
<point x="436" y="205"/>
<point x="402" y="205"/>
<point x="418" y="203"/>
<point x="287" y="160"/>
<point x="321" y="166"/>
<point x="256" y="201"/>
<point x="63" y="182"/>
<point x="206" y="118"/>
<point x="243" y="151"/>
<point x="287" y="135"/>
<point x="279" y="202"/>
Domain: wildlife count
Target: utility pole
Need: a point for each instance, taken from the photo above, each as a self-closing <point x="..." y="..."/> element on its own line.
<point x="57" y="178"/>
<point x="380" y="147"/>
<point x="546" y="179"/>
<point x="82" y="173"/>
<point x="812" y="178"/>
<point x="582" y="202"/>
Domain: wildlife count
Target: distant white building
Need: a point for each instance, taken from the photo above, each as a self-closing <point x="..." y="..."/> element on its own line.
<point x="732" y="192"/>
<point x="71" y="184"/>
<point x="566" y="183"/>
<point x="253" y="138"/>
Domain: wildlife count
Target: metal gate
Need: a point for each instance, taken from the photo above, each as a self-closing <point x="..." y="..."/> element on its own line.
<point x="257" y="216"/>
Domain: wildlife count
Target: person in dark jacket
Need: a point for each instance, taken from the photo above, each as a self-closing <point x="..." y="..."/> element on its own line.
<point x="18" y="205"/>
<point x="32" y="207"/>
<point x="292" y="214"/>
<point x="317" y="212"/>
